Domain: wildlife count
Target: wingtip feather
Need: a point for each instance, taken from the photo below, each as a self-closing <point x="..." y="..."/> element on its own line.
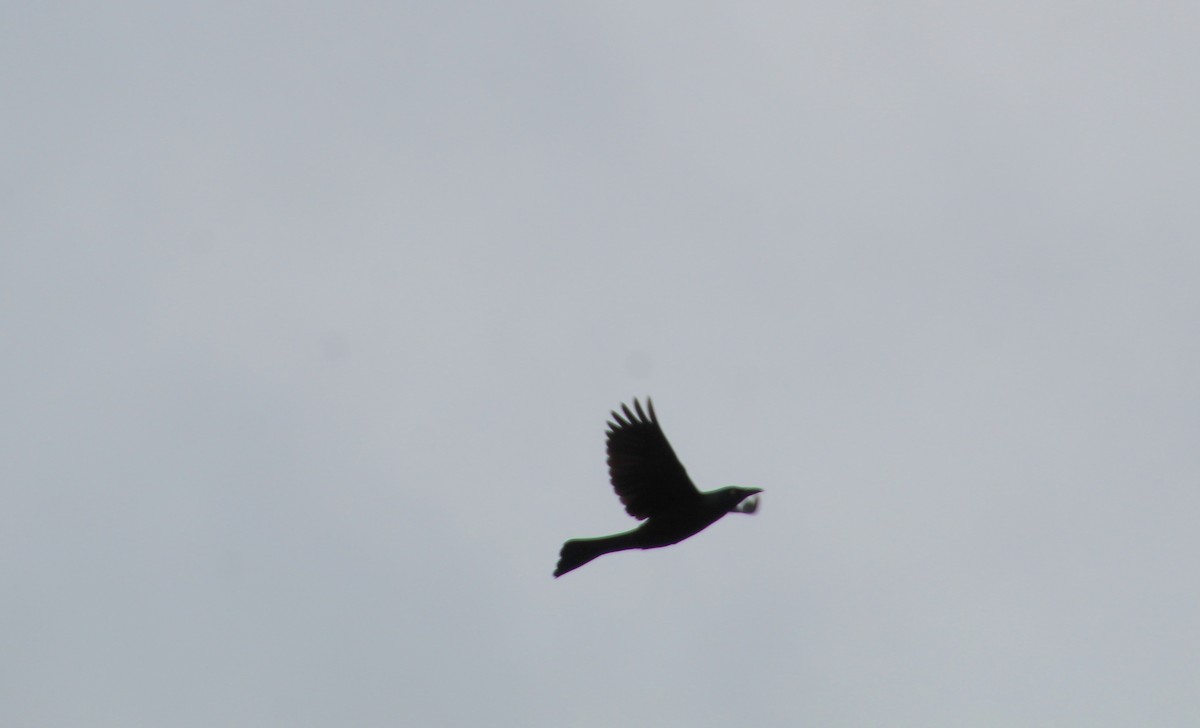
<point x="641" y="413"/>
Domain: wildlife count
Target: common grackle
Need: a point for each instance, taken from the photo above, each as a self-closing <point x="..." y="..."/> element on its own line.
<point x="654" y="487"/>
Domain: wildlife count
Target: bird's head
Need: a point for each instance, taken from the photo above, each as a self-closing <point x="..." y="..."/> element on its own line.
<point x="737" y="499"/>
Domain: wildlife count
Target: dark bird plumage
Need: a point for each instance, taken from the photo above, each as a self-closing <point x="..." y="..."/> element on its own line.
<point x="655" y="489"/>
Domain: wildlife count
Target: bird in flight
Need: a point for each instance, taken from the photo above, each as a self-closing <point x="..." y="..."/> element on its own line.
<point x="654" y="488"/>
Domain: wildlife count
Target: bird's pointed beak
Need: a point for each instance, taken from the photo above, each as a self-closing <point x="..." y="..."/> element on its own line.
<point x="749" y="504"/>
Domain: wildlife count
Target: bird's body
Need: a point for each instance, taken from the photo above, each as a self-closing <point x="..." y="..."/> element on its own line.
<point x="654" y="487"/>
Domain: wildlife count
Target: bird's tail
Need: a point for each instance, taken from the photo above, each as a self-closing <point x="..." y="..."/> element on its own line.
<point x="577" y="552"/>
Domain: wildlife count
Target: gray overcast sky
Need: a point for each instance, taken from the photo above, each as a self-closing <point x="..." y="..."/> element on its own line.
<point x="313" y="313"/>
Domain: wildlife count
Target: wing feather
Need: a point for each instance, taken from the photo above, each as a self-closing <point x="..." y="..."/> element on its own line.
<point x="646" y="474"/>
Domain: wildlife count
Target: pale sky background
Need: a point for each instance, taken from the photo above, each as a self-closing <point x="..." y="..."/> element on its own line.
<point x="313" y="313"/>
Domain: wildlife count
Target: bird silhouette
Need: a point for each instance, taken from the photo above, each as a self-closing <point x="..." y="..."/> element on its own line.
<point x="654" y="488"/>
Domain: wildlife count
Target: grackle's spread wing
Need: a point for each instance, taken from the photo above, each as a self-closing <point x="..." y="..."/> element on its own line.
<point x="647" y="476"/>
